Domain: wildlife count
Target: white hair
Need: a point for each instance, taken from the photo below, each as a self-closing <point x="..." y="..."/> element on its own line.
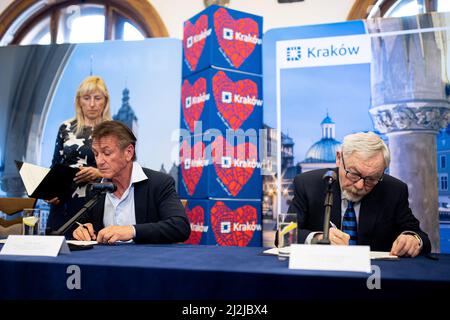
<point x="367" y="145"/>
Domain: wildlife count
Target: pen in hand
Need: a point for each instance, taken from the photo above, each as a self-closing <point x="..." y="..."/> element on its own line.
<point x="82" y="225"/>
<point x="333" y="225"/>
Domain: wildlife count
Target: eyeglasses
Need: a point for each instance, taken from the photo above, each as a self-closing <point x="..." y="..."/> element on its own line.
<point x="355" y="177"/>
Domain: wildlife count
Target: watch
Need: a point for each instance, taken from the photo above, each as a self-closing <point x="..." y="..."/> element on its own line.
<point x="419" y="239"/>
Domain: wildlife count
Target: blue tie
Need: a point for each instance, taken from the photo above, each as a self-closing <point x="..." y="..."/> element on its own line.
<point x="349" y="225"/>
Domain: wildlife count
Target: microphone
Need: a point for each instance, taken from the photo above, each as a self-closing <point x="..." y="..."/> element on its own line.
<point x="103" y="187"/>
<point x="329" y="177"/>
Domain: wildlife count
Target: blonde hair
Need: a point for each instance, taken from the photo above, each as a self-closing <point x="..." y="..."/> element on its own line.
<point x="367" y="145"/>
<point x="89" y="85"/>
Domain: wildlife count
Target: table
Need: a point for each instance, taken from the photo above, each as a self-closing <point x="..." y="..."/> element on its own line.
<point x="185" y="272"/>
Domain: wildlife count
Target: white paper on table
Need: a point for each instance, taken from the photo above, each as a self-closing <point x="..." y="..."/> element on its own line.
<point x="374" y="255"/>
<point x="81" y="242"/>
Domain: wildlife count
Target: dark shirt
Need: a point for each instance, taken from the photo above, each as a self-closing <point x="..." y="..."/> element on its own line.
<point x="73" y="150"/>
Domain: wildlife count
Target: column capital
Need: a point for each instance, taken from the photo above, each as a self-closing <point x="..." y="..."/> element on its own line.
<point x="413" y="115"/>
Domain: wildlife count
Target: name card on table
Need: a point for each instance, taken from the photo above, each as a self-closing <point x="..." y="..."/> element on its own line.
<point x="48" y="246"/>
<point x="331" y="258"/>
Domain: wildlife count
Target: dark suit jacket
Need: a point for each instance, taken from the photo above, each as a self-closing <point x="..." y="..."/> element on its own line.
<point x="160" y="216"/>
<point x="384" y="212"/>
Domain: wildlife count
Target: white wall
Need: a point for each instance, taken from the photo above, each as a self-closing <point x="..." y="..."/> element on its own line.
<point x="4" y="4"/>
<point x="175" y="12"/>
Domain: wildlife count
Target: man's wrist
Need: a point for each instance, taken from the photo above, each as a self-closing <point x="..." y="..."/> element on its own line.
<point x="418" y="239"/>
<point x="415" y="235"/>
<point x="312" y="236"/>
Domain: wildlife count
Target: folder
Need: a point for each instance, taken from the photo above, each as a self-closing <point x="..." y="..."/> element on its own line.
<point x="47" y="183"/>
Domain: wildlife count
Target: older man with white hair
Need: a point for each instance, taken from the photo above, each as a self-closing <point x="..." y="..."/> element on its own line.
<point x="370" y="207"/>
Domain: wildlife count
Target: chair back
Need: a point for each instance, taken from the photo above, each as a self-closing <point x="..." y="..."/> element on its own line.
<point x="11" y="206"/>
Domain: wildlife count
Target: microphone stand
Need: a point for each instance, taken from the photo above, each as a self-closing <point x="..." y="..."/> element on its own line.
<point x="87" y="206"/>
<point x="326" y="220"/>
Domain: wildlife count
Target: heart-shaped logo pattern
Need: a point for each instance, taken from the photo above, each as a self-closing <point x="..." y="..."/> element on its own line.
<point x="231" y="99"/>
<point x="196" y="218"/>
<point x="233" y="227"/>
<point x="193" y="99"/>
<point x="232" y="164"/>
<point x="226" y="28"/>
<point x="194" y="42"/>
<point x="191" y="165"/>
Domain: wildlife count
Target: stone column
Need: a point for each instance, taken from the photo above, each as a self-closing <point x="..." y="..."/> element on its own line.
<point x="410" y="105"/>
<point x="413" y="154"/>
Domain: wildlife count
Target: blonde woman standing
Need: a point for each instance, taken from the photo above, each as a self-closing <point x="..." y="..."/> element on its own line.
<point x="73" y="146"/>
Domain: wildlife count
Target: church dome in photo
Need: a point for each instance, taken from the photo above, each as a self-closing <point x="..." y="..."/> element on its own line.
<point x="325" y="149"/>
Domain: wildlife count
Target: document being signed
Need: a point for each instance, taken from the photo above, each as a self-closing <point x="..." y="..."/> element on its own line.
<point x="374" y="255"/>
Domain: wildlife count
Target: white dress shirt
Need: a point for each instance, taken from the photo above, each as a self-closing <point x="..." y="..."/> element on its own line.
<point x="121" y="211"/>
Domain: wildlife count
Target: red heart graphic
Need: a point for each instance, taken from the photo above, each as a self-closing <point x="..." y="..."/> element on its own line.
<point x="195" y="49"/>
<point x="235" y="113"/>
<point x="191" y="174"/>
<point x="224" y="219"/>
<point x="196" y="217"/>
<point x="232" y="176"/>
<point x="193" y="111"/>
<point x="236" y="51"/>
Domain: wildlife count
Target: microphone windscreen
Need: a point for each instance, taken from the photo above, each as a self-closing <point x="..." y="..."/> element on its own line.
<point x="330" y="176"/>
<point x="104" y="187"/>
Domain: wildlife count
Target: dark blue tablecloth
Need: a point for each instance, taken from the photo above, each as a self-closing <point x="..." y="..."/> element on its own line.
<point x="131" y="271"/>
